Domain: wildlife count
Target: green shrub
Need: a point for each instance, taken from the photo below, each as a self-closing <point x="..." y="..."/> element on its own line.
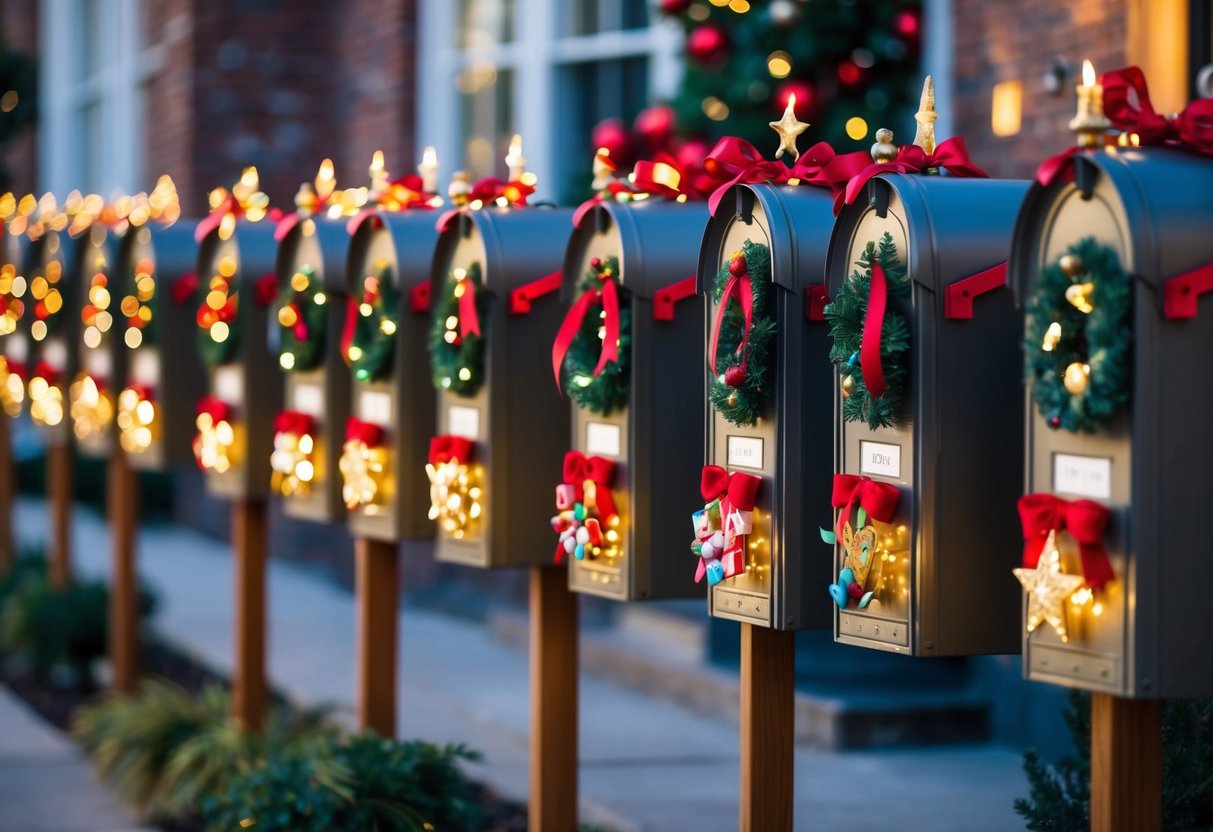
<point x="29" y="565"/>
<point x="164" y="750"/>
<point x="363" y="782"/>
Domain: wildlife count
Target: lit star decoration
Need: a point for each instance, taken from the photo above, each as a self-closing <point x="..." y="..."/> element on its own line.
<point x="1048" y="590"/>
<point x="789" y="128"/>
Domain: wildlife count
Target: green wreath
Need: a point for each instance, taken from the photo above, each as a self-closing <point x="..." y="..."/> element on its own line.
<point x="219" y="303"/>
<point x="140" y="304"/>
<point x="1078" y="338"/>
<point x="371" y="344"/>
<point x="846" y="314"/>
<point x="739" y="395"/>
<point x="457" y="362"/>
<point x="304" y="321"/>
<point x="609" y="390"/>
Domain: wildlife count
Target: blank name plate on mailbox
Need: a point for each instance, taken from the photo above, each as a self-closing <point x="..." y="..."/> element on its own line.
<point x="157" y="285"/>
<point x="310" y="311"/>
<point x="649" y="425"/>
<point x="51" y="315"/>
<point x="777" y="580"/>
<point x="501" y="424"/>
<point x="392" y="406"/>
<point x="92" y="396"/>
<point x="926" y="469"/>
<point x="236" y="286"/>
<point x="1119" y="446"/>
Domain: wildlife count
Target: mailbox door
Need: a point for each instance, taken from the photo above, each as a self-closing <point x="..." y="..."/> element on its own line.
<point x="52" y="318"/>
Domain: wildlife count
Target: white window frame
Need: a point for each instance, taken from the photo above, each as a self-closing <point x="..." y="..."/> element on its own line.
<point x="117" y="88"/>
<point x="537" y="53"/>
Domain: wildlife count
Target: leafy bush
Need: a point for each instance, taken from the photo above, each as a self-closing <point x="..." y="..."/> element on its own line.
<point x="164" y="750"/>
<point x="363" y="782"/>
<point x="1060" y="797"/>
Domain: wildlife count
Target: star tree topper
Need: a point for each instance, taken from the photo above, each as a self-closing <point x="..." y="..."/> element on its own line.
<point x="1048" y="589"/>
<point x="788" y="128"/>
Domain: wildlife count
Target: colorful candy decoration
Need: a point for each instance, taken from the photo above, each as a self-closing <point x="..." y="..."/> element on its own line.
<point x="859" y="578"/>
<point x="722" y="525"/>
<point x="586" y="519"/>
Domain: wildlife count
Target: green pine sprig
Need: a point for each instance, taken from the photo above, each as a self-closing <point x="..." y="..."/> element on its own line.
<point x="308" y="353"/>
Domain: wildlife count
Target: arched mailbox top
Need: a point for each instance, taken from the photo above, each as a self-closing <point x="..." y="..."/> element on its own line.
<point x="518" y="246"/>
<point x="656" y="241"/>
<point x="314" y="239"/>
<point x="412" y="236"/>
<point x="785" y="213"/>
<point x="1151" y="205"/>
<point x="255" y="248"/>
<point x="947" y="228"/>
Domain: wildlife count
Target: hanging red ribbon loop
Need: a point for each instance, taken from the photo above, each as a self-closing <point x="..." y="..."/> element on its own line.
<point x="873" y="327"/>
<point x="609" y="298"/>
<point x="579" y="468"/>
<point x="293" y="421"/>
<point x="1085" y="520"/>
<point x="469" y="319"/>
<point x="739" y="285"/>
<point x="367" y="433"/>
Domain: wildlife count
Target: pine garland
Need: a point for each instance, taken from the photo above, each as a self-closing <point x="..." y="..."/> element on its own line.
<point x="846" y="314"/>
<point x="302" y="301"/>
<point x="373" y="341"/>
<point x="609" y="390"/>
<point x="456" y="362"/>
<point x="1098" y="343"/>
<point x="742" y="404"/>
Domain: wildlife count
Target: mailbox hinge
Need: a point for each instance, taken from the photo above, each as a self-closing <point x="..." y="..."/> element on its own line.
<point x="1181" y="293"/>
<point x="520" y="298"/>
<point x="666" y="297"/>
<point x="958" y="298"/>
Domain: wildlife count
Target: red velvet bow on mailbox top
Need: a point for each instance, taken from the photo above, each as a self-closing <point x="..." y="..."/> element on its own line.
<point x="368" y="433"/>
<point x="293" y="421"/>
<point x="608" y="297"/>
<point x="878" y="499"/>
<point x="448" y="448"/>
<point x="1126" y="101"/>
<point x="722" y="525"/>
<point x="735" y="161"/>
<point x="1085" y="520"/>
<point x="488" y="191"/>
<point x="216" y="408"/>
<point x="663" y="176"/>
<point x="950" y="154"/>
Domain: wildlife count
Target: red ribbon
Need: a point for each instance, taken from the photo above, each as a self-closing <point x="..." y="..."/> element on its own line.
<point x="950" y="154"/>
<point x="487" y="191"/>
<point x="215" y="407"/>
<point x="48" y="373"/>
<point x="739" y="285"/>
<point x="873" y="326"/>
<point x="350" y="327"/>
<point x="144" y="392"/>
<point x="448" y="448"/>
<point x="367" y="433"/>
<point x="185" y="287"/>
<point x="1058" y="168"/>
<point x="578" y="468"/>
<point x="293" y="421"/>
<point x="1191" y="127"/>
<point x="609" y="298"/>
<point x="1085" y="520"/>
<point x="878" y="499"/>
<point x="469" y="320"/>
<point x="737" y="490"/>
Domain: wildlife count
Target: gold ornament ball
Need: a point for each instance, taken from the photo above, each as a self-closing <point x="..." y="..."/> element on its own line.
<point x="1077" y="377"/>
<point x="1071" y="264"/>
<point x="848" y="386"/>
<point x="732" y="400"/>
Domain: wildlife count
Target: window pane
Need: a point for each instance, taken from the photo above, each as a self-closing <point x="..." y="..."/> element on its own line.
<point x="484" y="23"/>
<point x="589" y="17"/>
<point x="486" y="121"/>
<point x="589" y="93"/>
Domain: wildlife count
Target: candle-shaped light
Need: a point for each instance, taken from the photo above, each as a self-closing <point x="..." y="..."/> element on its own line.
<point x="326" y="181"/>
<point x="429" y="170"/>
<point x="378" y="175"/>
<point x="1089" y="122"/>
<point x="514" y="160"/>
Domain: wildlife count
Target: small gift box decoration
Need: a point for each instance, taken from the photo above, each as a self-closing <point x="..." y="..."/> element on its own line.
<point x="723" y="525"/>
<point x="586" y="521"/>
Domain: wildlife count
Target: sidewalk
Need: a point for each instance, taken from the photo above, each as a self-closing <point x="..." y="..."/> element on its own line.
<point x="646" y="764"/>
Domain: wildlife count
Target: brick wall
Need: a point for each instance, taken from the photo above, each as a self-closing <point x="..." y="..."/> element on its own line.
<point x="1017" y="40"/>
<point x="169" y="119"/>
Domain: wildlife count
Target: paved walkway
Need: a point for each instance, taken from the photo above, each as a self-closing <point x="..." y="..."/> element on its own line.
<point x="646" y="764"/>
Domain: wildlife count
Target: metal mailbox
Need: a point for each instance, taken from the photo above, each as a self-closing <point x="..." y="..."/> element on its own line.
<point x="14" y="328"/>
<point x="654" y="437"/>
<point x="1143" y="215"/>
<point x="787" y="447"/>
<point x="509" y="427"/>
<point x="392" y="398"/>
<point x="156" y="280"/>
<point x="101" y="358"/>
<point x="51" y="321"/>
<point x="237" y="282"/>
<point x="932" y="570"/>
<point x="310" y="312"/>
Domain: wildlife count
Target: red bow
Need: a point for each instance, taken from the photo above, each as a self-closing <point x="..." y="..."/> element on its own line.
<point x="878" y="499"/>
<point x="1192" y="127"/>
<point x="367" y="433"/>
<point x="578" y="468"/>
<point x="487" y="191"/>
<point x="739" y="285"/>
<point x="737" y="490"/>
<point x="215" y="407"/>
<point x="292" y="421"/>
<point x="609" y="298"/>
<point x="48" y="373"/>
<point x="873" y="328"/>
<point x="448" y="448"/>
<point x="663" y="176"/>
<point x="469" y="319"/>
<point x="735" y="161"/>
<point x="1085" y="520"/>
<point x="950" y="154"/>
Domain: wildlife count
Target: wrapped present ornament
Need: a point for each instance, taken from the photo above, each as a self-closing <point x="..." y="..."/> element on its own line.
<point x="723" y="525"/>
<point x="586" y="521"/>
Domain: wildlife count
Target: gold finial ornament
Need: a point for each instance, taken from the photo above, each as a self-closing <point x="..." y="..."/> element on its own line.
<point x="459" y="189"/>
<point x="789" y="128"/>
<point x="924" y="135"/>
<point x="884" y="150"/>
<point x="306" y="201"/>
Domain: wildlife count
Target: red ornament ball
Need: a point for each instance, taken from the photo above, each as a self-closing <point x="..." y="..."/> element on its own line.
<point x="734" y="376"/>
<point x="708" y="43"/>
<point x="1054" y="421"/>
<point x="595" y="262"/>
<point x="737" y="266"/>
<point x="655" y="125"/>
<point x="907" y="23"/>
<point x="806" y="96"/>
<point x="613" y="135"/>
<point x="854" y="591"/>
<point x="675" y="7"/>
<point x="849" y="73"/>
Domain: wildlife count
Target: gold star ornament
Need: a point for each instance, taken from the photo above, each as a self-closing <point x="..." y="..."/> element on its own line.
<point x="1048" y="590"/>
<point x="788" y="128"/>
